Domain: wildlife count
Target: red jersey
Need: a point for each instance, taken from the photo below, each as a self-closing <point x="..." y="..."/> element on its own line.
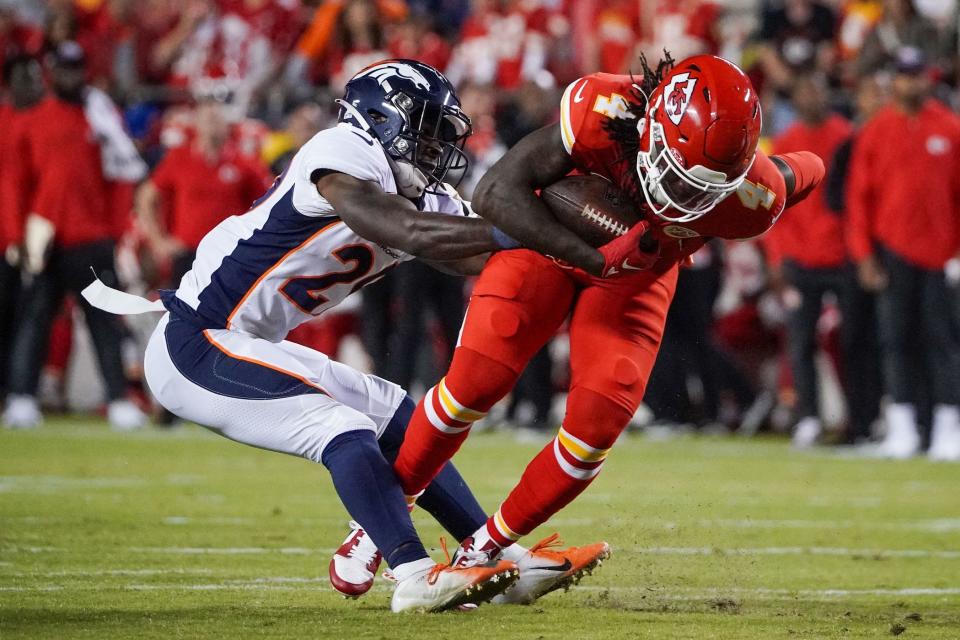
<point x="904" y="186"/>
<point x="595" y="99"/>
<point x="812" y="235"/>
<point x="199" y="194"/>
<point x="61" y="175"/>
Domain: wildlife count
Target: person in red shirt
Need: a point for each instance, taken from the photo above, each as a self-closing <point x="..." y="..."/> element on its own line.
<point x="195" y="187"/>
<point x="22" y="77"/>
<point x="502" y="44"/>
<point x="66" y="199"/>
<point x="807" y="257"/>
<point x="903" y="207"/>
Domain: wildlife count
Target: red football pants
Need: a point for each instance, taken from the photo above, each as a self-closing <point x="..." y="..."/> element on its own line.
<point x="518" y="303"/>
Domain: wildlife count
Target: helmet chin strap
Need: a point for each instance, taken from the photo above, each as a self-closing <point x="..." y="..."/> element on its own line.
<point x="411" y="181"/>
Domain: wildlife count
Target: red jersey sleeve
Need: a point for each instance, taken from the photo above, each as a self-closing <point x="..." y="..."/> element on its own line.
<point x="586" y="104"/>
<point x="748" y="212"/>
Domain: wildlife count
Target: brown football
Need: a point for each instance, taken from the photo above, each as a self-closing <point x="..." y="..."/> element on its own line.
<point x="592" y="207"/>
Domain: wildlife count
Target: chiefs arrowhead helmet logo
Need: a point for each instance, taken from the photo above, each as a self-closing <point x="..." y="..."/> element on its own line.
<point x="677" y="96"/>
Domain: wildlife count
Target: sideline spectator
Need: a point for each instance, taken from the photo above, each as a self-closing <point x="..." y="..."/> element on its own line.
<point x="866" y="387"/>
<point x="684" y="27"/>
<point x="194" y="188"/>
<point x="904" y="225"/>
<point x="807" y="259"/>
<point x="502" y="44"/>
<point x="70" y="228"/>
<point x="279" y="147"/>
<point x="22" y="76"/>
<point x="238" y="45"/>
<point x="901" y="26"/>
<point x="796" y="36"/>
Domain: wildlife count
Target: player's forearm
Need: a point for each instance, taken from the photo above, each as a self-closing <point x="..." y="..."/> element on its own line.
<point x="471" y="266"/>
<point x="506" y="196"/>
<point x="434" y="236"/>
<point x="515" y="209"/>
<point x="147" y="210"/>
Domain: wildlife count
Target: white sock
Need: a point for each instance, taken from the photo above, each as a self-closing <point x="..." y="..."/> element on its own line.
<point x="403" y="571"/>
<point x="514" y="553"/>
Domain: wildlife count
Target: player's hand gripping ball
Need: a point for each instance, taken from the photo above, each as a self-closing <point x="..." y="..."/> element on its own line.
<point x="595" y="210"/>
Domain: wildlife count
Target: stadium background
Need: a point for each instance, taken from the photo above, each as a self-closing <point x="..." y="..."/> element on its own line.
<point x="237" y="85"/>
<point x="268" y="70"/>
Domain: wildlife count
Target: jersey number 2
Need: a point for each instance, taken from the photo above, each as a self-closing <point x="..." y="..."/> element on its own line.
<point x="306" y="292"/>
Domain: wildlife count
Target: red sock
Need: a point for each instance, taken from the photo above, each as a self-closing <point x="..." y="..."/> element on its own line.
<point x="564" y="468"/>
<point x="442" y="420"/>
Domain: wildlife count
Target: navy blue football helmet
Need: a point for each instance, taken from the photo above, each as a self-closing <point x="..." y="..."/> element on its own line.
<point x="414" y="111"/>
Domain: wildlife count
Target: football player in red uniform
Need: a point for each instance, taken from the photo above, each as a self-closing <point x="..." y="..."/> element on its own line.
<point x="682" y="142"/>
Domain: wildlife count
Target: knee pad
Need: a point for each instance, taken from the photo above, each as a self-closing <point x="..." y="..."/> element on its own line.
<point x="619" y="380"/>
<point x="478" y="381"/>
<point x="595" y="419"/>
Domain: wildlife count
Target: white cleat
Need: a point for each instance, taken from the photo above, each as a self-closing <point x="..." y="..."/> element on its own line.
<point x="543" y="569"/>
<point x="354" y="565"/>
<point x="442" y="587"/>
<point x="945" y="436"/>
<point x="22" y="412"/>
<point x="123" y="415"/>
<point x="806" y="434"/>
<point x="903" y="439"/>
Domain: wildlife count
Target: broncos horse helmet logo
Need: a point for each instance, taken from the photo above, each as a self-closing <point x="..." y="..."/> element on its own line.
<point x="677" y="96"/>
<point x="386" y="71"/>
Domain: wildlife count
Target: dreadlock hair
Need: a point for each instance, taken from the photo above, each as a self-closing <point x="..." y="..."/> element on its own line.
<point x="623" y="131"/>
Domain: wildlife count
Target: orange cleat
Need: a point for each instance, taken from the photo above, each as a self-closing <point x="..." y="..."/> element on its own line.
<point x="545" y="568"/>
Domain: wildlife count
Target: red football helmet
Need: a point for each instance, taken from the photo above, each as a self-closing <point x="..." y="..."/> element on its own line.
<point x="701" y="129"/>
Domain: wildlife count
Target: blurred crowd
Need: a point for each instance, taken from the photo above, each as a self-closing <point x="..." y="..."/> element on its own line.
<point x="129" y="128"/>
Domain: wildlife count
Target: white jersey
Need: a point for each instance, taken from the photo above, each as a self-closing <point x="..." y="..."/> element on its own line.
<point x="290" y="258"/>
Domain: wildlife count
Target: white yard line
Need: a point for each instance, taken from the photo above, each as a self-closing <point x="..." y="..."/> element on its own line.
<point x="766" y="593"/>
<point x="297" y="583"/>
<point x="933" y="525"/>
<point x="296" y="551"/>
<point x="205" y="520"/>
<point x="81" y="573"/>
<point x="793" y="551"/>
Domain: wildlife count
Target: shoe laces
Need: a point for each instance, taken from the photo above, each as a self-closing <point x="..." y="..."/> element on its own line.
<point x="440" y="567"/>
<point x="548" y="545"/>
<point x="368" y="553"/>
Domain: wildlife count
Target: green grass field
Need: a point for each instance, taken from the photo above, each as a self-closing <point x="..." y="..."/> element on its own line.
<point x="187" y="535"/>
